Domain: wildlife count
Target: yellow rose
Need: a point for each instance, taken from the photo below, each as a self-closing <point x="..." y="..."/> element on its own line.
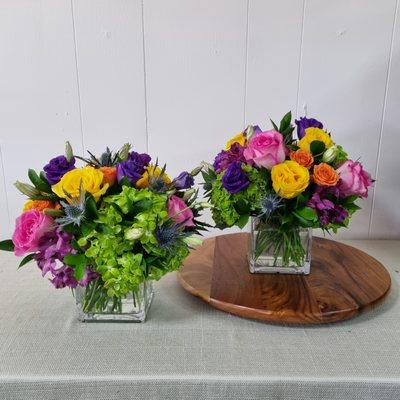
<point x="312" y="134"/>
<point x="289" y="179"/>
<point x="151" y="172"/>
<point x="239" y="138"/>
<point x="70" y="183"/>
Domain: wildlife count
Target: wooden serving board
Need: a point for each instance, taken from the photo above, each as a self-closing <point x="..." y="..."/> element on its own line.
<point x="343" y="282"/>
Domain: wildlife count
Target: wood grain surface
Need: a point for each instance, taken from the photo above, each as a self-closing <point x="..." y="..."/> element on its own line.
<point x="343" y="282"/>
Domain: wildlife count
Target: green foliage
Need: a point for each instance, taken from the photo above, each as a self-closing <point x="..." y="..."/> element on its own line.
<point x="78" y="263"/>
<point x="26" y="259"/>
<point x="341" y="156"/>
<point x="306" y="216"/>
<point x="39" y="183"/>
<point x="125" y="260"/>
<point x="7" y="245"/>
<point x="317" y="147"/>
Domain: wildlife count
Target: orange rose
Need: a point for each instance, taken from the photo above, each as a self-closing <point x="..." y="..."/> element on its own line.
<point x="109" y="175"/>
<point x="302" y="157"/>
<point x="40" y="205"/>
<point x="325" y="175"/>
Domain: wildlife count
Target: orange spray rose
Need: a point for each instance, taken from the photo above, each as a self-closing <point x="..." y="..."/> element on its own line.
<point x="109" y="175"/>
<point x="302" y="157"/>
<point x="325" y="175"/>
<point x="40" y="205"/>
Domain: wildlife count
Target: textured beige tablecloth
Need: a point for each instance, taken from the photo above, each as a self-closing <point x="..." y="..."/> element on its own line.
<point x="187" y="350"/>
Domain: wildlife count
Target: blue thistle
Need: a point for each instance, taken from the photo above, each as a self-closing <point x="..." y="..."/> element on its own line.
<point x="168" y="236"/>
<point x="269" y="204"/>
<point x="74" y="211"/>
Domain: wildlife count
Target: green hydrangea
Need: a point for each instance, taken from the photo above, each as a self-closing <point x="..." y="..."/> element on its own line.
<point x="228" y="208"/>
<point x="123" y="248"/>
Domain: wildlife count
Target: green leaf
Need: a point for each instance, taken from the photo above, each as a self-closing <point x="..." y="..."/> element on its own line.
<point x="78" y="263"/>
<point x="75" y="245"/>
<point x="285" y="122"/>
<point x="307" y="213"/>
<point x="317" y="147"/>
<point x="91" y="208"/>
<point x="287" y="218"/>
<point x="68" y="151"/>
<point x="53" y="213"/>
<point x="125" y="182"/>
<point x="350" y="199"/>
<point x="71" y="228"/>
<point x="242" y="221"/>
<point x="28" y="190"/>
<point x="274" y="125"/>
<point x="7" y="245"/>
<point x="87" y="227"/>
<point x="352" y="208"/>
<point x="38" y="182"/>
<point x="242" y="206"/>
<point x="26" y="259"/>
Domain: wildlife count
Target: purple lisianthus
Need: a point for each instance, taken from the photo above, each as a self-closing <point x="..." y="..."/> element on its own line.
<point x="183" y="181"/>
<point x="234" y="179"/>
<point x="303" y="123"/>
<point x="133" y="167"/>
<point x="57" y="167"/>
<point x="327" y="211"/>
<point x="53" y="247"/>
<point x="227" y="157"/>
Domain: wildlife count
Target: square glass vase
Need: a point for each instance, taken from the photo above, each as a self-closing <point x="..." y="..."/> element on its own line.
<point x="94" y="305"/>
<point x="273" y="251"/>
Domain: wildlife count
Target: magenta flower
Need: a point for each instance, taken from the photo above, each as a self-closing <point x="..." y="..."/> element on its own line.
<point x="354" y="180"/>
<point x="30" y="226"/>
<point x="179" y="212"/>
<point x="265" y="149"/>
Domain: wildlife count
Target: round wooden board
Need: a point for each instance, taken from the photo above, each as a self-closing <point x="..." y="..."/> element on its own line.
<point x="343" y="282"/>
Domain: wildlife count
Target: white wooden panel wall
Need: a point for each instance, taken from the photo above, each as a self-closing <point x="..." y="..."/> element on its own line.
<point x="38" y="88"/>
<point x="179" y="77"/>
<point x="385" y="221"/>
<point x="109" y="52"/>
<point x="195" y="62"/>
<point x="343" y="72"/>
<point x="4" y="217"/>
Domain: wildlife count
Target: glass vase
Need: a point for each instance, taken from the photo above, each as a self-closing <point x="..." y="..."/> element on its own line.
<point x="94" y="304"/>
<point x="277" y="250"/>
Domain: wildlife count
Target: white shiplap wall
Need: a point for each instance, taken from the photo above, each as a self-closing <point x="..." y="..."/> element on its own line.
<point x="179" y="77"/>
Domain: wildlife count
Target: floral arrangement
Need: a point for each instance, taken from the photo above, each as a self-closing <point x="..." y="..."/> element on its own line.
<point x="287" y="183"/>
<point x="109" y="225"/>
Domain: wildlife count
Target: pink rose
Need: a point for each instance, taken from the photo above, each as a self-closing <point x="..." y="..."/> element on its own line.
<point x="265" y="149"/>
<point x="29" y="228"/>
<point x="179" y="212"/>
<point x="353" y="179"/>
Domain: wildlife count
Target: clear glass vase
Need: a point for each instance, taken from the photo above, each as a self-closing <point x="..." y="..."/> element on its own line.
<point x="94" y="304"/>
<point x="274" y="250"/>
